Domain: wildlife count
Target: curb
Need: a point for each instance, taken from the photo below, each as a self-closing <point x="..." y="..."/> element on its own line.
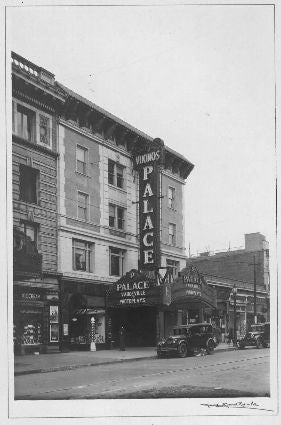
<point x="79" y="366"/>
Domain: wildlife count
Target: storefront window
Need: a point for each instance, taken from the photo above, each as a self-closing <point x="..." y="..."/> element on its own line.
<point x="32" y="332"/>
<point x="54" y="323"/>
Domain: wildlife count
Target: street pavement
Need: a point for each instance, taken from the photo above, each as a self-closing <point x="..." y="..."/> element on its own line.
<point x="54" y="362"/>
<point x="225" y="373"/>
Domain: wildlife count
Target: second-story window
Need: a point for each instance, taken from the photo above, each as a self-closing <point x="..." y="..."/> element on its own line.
<point x="29" y="182"/>
<point x="171" y="197"/>
<point x="116" y="262"/>
<point x="116" y="216"/>
<point x="83" y="206"/>
<point x="115" y="174"/>
<point x="82" y="253"/>
<point x="81" y="159"/>
<point x="172" y="234"/>
<point x="25" y="123"/>
<point x="31" y="234"/>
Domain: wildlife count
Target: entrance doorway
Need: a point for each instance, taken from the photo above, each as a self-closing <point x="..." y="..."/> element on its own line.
<point x="139" y="324"/>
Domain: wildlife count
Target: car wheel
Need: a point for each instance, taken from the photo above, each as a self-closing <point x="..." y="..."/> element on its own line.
<point x="210" y="345"/>
<point x="182" y="350"/>
<point x="259" y="343"/>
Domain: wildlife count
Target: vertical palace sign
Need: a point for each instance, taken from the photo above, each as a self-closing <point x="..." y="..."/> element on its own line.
<point x="148" y="164"/>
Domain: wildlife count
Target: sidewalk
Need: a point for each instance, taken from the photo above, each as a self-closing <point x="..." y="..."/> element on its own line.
<point x="76" y="359"/>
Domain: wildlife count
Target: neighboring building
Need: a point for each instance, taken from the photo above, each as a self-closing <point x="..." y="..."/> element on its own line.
<point x="37" y="99"/>
<point x="246" y="269"/>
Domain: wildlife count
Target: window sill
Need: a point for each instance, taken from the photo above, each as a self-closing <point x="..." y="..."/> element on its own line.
<point x="82" y="174"/>
<point x="117" y="188"/>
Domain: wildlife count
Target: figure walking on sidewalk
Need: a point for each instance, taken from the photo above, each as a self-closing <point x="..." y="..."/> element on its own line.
<point x="122" y="338"/>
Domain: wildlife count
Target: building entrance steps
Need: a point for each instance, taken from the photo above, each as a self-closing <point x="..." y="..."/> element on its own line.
<point x="54" y="362"/>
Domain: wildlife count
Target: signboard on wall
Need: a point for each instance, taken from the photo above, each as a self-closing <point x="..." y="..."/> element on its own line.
<point x="148" y="165"/>
<point x="134" y="289"/>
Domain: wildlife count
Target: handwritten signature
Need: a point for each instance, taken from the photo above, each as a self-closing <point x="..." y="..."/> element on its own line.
<point x="236" y="405"/>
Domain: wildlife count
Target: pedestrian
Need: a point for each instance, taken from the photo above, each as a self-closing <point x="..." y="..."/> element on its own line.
<point x="230" y="336"/>
<point x="122" y="338"/>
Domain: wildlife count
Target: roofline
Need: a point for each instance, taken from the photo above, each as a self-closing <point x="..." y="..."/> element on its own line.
<point x="120" y="121"/>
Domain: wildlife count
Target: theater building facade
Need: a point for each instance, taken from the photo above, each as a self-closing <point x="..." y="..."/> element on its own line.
<point x="121" y="227"/>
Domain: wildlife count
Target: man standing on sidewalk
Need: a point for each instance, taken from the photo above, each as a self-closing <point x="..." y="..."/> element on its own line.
<point x="122" y="338"/>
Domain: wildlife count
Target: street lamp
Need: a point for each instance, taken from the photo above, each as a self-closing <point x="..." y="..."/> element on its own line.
<point x="234" y="292"/>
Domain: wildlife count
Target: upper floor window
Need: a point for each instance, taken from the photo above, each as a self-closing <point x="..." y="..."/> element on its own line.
<point x="172" y="234"/>
<point x="83" y="206"/>
<point x="116" y="262"/>
<point x="115" y="174"/>
<point x="81" y="159"/>
<point x="116" y="216"/>
<point x="30" y="231"/>
<point x="32" y="125"/>
<point x="171" y="197"/>
<point x="82" y="253"/>
<point x="29" y="182"/>
<point x="173" y="266"/>
<point x="44" y="130"/>
<point x="25" y="122"/>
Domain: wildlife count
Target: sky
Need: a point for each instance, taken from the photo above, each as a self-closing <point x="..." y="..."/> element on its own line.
<point x="199" y="77"/>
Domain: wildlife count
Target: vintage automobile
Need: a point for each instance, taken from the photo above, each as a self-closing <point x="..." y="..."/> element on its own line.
<point x="187" y="339"/>
<point x="258" y="336"/>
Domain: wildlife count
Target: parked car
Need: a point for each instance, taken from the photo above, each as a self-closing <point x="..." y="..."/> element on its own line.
<point x="258" y="336"/>
<point x="188" y="339"/>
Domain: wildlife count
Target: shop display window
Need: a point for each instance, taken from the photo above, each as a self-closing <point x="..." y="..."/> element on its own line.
<point x="32" y="333"/>
<point x="54" y="323"/>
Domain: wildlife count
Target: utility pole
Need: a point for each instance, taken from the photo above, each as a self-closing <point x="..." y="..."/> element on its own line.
<point x="255" y="292"/>
<point x="255" y="289"/>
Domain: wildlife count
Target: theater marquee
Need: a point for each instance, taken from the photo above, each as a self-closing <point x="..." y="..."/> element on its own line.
<point x="148" y="166"/>
<point x="132" y="290"/>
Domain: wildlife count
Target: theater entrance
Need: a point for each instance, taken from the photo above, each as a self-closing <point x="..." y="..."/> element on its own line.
<point x="139" y="324"/>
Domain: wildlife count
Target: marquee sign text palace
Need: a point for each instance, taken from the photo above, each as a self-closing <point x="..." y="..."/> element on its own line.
<point x="149" y="208"/>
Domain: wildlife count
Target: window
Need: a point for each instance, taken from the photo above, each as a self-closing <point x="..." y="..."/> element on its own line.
<point x="31" y="233"/>
<point x="25" y="121"/>
<point x="29" y="180"/>
<point x="173" y="267"/>
<point x="172" y="234"/>
<point x="171" y="197"/>
<point x="116" y="216"/>
<point x="44" y="130"/>
<point x="116" y="261"/>
<point x="54" y="323"/>
<point x="115" y="174"/>
<point x="82" y="255"/>
<point x="83" y="203"/>
<point x="81" y="159"/>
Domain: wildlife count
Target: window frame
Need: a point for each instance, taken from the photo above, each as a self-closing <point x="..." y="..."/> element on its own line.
<point x="36" y="173"/>
<point x="121" y="257"/>
<point x="114" y="177"/>
<point x="88" y="253"/>
<point x="116" y="209"/>
<point x="87" y="209"/>
<point x="171" y="200"/>
<point x="36" y="125"/>
<point x="86" y="156"/>
<point x="172" y="236"/>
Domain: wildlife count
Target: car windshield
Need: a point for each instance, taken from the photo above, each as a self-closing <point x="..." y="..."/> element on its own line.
<point x="257" y="328"/>
<point x="180" y="331"/>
